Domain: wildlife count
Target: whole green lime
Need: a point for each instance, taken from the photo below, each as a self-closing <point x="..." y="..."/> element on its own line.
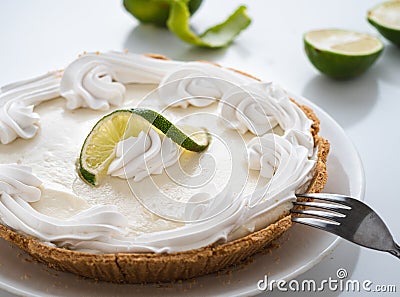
<point x="155" y="11"/>
<point x="341" y="53"/>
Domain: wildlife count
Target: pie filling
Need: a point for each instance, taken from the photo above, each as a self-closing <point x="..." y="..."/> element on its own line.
<point x="157" y="196"/>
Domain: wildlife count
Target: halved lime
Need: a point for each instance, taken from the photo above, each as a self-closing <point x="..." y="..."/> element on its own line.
<point x="385" y="17"/>
<point x="98" y="150"/>
<point x="341" y="53"/>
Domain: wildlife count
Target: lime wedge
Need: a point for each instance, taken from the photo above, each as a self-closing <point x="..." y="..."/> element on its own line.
<point x="98" y="150"/>
<point x="341" y="53"/>
<point x="385" y="17"/>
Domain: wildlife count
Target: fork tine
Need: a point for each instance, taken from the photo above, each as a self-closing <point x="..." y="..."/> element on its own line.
<point x="327" y="206"/>
<point x="337" y="198"/>
<point x="329" y="226"/>
<point x="333" y="216"/>
<point x="359" y="223"/>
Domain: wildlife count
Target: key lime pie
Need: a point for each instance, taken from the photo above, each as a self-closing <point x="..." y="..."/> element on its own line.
<point x="135" y="168"/>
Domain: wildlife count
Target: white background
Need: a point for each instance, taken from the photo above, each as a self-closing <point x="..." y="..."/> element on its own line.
<point x="37" y="36"/>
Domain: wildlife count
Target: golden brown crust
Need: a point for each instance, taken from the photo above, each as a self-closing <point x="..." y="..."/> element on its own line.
<point x="320" y="174"/>
<point x="156" y="56"/>
<point x="151" y="267"/>
<point x="244" y="73"/>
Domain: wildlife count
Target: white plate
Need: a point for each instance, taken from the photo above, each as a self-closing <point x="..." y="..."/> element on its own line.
<point x="300" y="248"/>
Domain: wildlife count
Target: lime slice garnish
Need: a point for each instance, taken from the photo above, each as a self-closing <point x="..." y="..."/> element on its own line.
<point x="98" y="150"/>
<point x="341" y="53"/>
<point x="385" y="17"/>
<point x="215" y="37"/>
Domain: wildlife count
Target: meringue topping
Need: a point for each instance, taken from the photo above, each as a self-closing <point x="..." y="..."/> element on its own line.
<point x="165" y="199"/>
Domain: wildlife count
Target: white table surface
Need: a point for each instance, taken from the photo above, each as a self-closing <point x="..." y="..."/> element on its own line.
<point x="37" y="36"/>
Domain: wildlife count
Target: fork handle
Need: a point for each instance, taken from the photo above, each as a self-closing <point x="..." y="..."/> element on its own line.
<point x="395" y="251"/>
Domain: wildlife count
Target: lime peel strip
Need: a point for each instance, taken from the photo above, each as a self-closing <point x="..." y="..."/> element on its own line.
<point x="170" y="130"/>
<point x="215" y="37"/>
<point x="157" y="121"/>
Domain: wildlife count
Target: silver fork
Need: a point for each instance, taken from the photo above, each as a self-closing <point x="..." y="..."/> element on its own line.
<point x="346" y="217"/>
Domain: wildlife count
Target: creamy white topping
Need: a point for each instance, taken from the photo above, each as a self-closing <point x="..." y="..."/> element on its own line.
<point x="19" y="182"/>
<point x="210" y="222"/>
<point x="287" y="170"/>
<point x="250" y="108"/>
<point x="17" y="101"/>
<point x="227" y="193"/>
<point x="138" y="157"/>
<point x="198" y="84"/>
<point x="259" y="107"/>
<point x="18" y="187"/>
<point x="97" y="80"/>
<point x="287" y="166"/>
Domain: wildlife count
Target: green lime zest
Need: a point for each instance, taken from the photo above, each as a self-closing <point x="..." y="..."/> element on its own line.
<point x="170" y="130"/>
<point x="215" y="37"/>
<point x="98" y="150"/>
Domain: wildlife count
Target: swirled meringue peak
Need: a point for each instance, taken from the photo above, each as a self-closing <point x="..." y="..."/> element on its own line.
<point x="275" y="156"/>
<point x="18" y="181"/>
<point x="287" y="167"/>
<point x="17" y="102"/>
<point x="20" y="189"/>
<point x="248" y="108"/>
<point x="96" y="80"/>
<point x="197" y="83"/>
<point x="259" y="107"/>
<point x="138" y="157"/>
